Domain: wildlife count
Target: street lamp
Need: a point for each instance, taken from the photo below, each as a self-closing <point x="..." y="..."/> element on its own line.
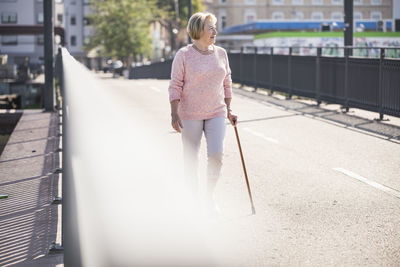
<point x="348" y="23"/>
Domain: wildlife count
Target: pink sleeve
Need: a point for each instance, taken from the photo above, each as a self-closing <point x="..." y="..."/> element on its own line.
<point x="177" y="77"/>
<point x="228" y="79"/>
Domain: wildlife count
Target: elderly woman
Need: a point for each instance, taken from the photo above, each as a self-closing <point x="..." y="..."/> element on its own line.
<point x="200" y="94"/>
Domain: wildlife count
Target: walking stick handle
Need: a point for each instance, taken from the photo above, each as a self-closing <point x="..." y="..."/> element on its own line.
<point x="234" y="122"/>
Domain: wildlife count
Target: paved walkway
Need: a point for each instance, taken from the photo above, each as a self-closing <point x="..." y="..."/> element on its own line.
<point x="308" y="214"/>
<point x="28" y="221"/>
<point x="319" y="179"/>
<point x="356" y="119"/>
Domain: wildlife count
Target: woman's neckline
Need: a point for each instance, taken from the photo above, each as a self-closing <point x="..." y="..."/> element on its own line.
<point x="210" y="52"/>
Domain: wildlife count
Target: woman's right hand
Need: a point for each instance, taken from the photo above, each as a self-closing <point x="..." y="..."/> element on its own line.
<point x="176" y="122"/>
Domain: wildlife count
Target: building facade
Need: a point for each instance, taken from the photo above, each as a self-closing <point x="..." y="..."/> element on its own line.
<point x="77" y="27"/>
<point x="236" y="12"/>
<point x="72" y="15"/>
<point x="23" y="48"/>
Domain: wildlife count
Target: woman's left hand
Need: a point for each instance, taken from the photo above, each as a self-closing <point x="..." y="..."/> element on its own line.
<point x="232" y="118"/>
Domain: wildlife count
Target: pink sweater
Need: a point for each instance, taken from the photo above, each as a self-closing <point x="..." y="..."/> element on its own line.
<point x="201" y="82"/>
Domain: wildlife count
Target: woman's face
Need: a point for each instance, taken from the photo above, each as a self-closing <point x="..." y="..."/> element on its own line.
<point x="209" y="32"/>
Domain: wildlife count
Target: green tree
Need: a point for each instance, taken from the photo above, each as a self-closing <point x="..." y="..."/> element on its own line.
<point x="197" y="6"/>
<point x="175" y="15"/>
<point x="122" y="27"/>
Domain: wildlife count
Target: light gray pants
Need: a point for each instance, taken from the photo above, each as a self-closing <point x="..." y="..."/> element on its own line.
<point x="214" y="131"/>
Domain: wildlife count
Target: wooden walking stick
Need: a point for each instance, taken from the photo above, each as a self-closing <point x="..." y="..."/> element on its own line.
<point x="244" y="168"/>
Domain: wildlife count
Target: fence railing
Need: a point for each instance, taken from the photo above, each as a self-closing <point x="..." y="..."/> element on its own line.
<point x="366" y="83"/>
<point x="158" y="70"/>
<point x="350" y="80"/>
<point x="117" y="207"/>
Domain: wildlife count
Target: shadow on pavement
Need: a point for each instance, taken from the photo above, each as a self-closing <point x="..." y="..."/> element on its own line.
<point x="266" y="118"/>
<point x="28" y="221"/>
<point x="7" y="125"/>
<point x="386" y="131"/>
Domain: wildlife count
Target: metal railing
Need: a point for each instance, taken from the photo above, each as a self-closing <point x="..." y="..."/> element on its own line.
<point x="327" y="51"/>
<point x="343" y="77"/>
<point x="158" y="70"/>
<point x="117" y="208"/>
<point x="366" y="83"/>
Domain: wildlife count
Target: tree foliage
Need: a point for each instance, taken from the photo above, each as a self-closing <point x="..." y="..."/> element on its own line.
<point x="122" y="27"/>
<point x="175" y="16"/>
<point x="170" y="13"/>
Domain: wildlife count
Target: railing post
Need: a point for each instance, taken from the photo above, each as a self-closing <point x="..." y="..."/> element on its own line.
<point x="255" y="69"/>
<point x="241" y="66"/>
<point x="271" y="64"/>
<point x="380" y="92"/>
<point x="346" y="77"/>
<point x="64" y="145"/>
<point x="290" y="73"/>
<point x="317" y="75"/>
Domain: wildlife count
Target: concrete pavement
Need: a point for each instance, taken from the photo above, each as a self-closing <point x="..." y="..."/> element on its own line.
<point x="318" y="179"/>
<point x="309" y="211"/>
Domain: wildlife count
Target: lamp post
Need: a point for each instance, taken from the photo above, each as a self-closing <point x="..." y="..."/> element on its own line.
<point x="189" y="15"/>
<point x="348" y="24"/>
<point x="48" y="55"/>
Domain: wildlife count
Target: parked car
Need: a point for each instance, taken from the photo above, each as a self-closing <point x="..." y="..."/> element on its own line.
<point x="117" y="68"/>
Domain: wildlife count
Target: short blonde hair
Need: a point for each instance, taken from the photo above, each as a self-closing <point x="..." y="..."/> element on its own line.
<point x="196" y="23"/>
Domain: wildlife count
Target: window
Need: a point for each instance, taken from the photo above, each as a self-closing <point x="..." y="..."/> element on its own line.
<point x="278" y="15"/>
<point x="337" y="16"/>
<point x="9" y="17"/>
<point x="317" y="2"/>
<point x="317" y="15"/>
<point x="222" y="1"/>
<point x="376" y="2"/>
<point x="86" y="2"/>
<point x="297" y="2"/>
<point x="278" y="2"/>
<point x="337" y="2"/>
<point x="60" y="18"/>
<point x="73" y="20"/>
<point x="73" y="40"/>
<point x="86" y="21"/>
<point x="357" y="2"/>
<point x="249" y="2"/>
<point x="40" y="18"/>
<point x="250" y="15"/>
<point x="297" y="15"/>
<point x="223" y="22"/>
<point x="376" y="15"/>
<point x="357" y="15"/>
<point x="9" y="40"/>
<point x="222" y="19"/>
<point x="86" y="40"/>
<point x="40" y="39"/>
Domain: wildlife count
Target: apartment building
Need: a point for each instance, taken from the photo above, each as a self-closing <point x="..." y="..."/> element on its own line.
<point x="77" y="27"/>
<point x="236" y="12"/>
<point x="69" y="14"/>
<point x="22" y="48"/>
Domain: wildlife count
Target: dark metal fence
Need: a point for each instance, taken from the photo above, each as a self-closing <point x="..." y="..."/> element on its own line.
<point x="367" y="83"/>
<point x="159" y="70"/>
